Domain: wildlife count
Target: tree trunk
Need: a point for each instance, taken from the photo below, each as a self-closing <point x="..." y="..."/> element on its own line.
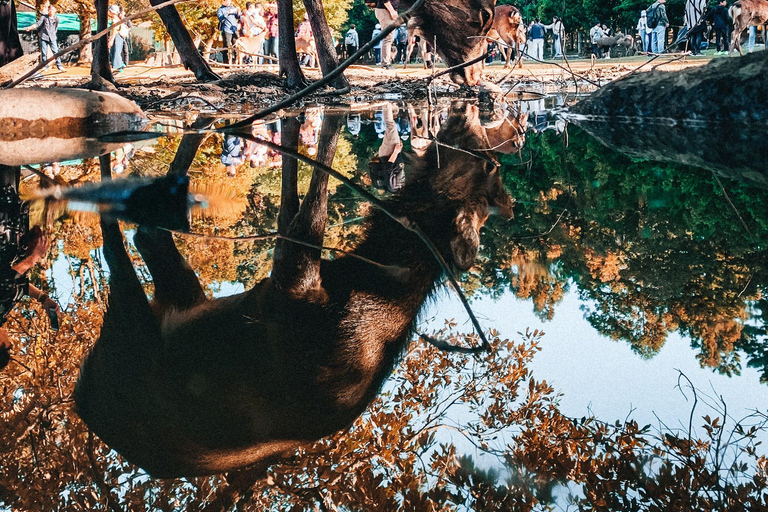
<point x="86" y="55"/>
<point x="289" y="62"/>
<point x="100" y="67"/>
<point x="190" y="57"/>
<point x="326" y="53"/>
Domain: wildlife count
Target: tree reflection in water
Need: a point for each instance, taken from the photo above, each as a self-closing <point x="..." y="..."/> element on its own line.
<point x="406" y="450"/>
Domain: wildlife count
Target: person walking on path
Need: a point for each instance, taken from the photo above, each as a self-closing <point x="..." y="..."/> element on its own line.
<point x="558" y="36"/>
<point x="47" y="27"/>
<point x="229" y="23"/>
<point x="536" y="33"/>
<point x="719" y="19"/>
<point x="595" y="33"/>
<point x="642" y="30"/>
<point x="658" y="23"/>
<point x="386" y="14"/>
<point x="351" y="40"/>
<point x="10" y="44"/>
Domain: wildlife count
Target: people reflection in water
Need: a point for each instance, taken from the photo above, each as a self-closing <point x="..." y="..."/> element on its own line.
<point x="255" y="153"/>
<point x="387" y="167"/>
<point x="232" y="153"/>
<point x="354" y="124"/>
<point x="310" y="129"/>
<point x="190" y="386"/>
<point x="20" y="249"/>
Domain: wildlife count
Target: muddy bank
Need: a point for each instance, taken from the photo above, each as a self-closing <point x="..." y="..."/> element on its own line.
<point x="171" y="89"/>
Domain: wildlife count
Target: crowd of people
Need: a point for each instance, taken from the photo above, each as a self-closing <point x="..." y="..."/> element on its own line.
<point x="257" y="24"/>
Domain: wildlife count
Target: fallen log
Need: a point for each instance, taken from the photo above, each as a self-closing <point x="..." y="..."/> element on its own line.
<point x="52" y="125"/>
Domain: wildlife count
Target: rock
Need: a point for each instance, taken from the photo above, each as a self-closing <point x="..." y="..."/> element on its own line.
<point x="733" y="90"/>
<point x="18" y="67"/>
<point x="51" y="125"/>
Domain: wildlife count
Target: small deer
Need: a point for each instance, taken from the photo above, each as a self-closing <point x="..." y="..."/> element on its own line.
<point x="745" y="13"/>
<point x="508" y="26"/>
<point x="187" y="386"/>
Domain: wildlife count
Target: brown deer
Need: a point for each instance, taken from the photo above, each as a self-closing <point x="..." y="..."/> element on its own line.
<point x="186" y="386"/>
<point x="508" y="26"/>
<point x="745" y="13"/>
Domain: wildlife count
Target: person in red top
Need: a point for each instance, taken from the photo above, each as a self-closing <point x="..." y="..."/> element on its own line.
<point x="271" y="40"/>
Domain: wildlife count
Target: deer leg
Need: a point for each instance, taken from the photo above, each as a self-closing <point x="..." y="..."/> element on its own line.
<point x="296" y="267"/>
<point x="176" y="285"/>
<point x="408" y="51"/>
<point x="129" y="310"/>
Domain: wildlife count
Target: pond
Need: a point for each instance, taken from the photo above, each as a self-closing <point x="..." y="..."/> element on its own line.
<point x="480" y="307"/>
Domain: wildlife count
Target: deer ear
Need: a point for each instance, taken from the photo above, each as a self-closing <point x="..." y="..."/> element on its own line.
<point x="465" y="241"/>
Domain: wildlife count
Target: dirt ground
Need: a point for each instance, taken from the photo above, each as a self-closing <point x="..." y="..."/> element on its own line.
<point x="246" y="90"/>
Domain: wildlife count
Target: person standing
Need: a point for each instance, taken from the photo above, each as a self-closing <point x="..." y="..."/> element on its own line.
<point x="386" y="14"/>
<point x="304" y="34"/>
<point x="658" y="23"/>
<point x="10" y="44"/>
<point x="536" y="33"/>
<point x="558" y="36"/>
<point x="595" y="34"/>
<point x="351" y="40"/>
<point x="47" y="27"/>
<point x="273" y="32"/>
<point x="116" y="41"/>
<point x="401" y="42"/>
<point x="229" y="23"/>
<point x="377" y="48"/>
<point x="642" y="30"/>
<point x="719" y="19"/>
<point x="125" y="32"/>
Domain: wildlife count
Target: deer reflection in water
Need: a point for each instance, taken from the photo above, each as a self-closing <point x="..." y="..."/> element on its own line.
<point x="186" y="386"/>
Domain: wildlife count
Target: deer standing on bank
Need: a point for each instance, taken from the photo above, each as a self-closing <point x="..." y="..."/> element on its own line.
<point x="745" y="13"/>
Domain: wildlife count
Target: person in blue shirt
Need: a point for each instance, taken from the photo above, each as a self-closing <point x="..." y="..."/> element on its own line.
<point x="229" y="23"/>
<point x="536" y="33"/>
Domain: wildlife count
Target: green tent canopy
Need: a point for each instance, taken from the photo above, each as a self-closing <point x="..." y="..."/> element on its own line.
<point x="69" y="22"/>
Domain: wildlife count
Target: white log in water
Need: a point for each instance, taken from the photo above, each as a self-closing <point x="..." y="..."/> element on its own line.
<point x="52" y="125"/>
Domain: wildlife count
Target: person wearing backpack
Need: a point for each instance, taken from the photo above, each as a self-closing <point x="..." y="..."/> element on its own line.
<point x="351" y="40"/>
<point x="657" y="23"/>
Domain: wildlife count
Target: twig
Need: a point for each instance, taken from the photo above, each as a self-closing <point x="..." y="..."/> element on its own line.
<point x="498" y="41"/>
